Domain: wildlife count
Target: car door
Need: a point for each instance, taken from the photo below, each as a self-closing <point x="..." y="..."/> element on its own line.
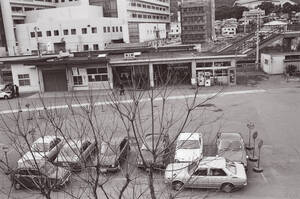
<point x="199" y="178"/>
<point x="217" y="176"/>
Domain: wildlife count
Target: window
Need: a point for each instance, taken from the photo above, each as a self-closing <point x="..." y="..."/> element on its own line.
<point x="94" y="29"/>
<point x="83" y="30"/>
<point x="117" y="29"/>
<point x="56" y="33"/>
<point x="48" y="33"/>
<point x="66" y="32"/>
<point x="104" y="29"/>
<point x="73" y="31"/>
<point x="108" y="29"/>
<point x="121" y="29"/>
<point x="266" y="61"/>
<point x="218" y="172"/>
<point x="24" y="80"/>
<point x="96" y="47"/>
<point x="113" y="29"/>
<point x="97" y="74"/>
<point x="28" y="9"/>
<point x="200" y="172"/>
<point x="39" y="34"/>
<point x="85" y="47"/>
<point x="32" y="34"/>
<point x="77" y="80"/>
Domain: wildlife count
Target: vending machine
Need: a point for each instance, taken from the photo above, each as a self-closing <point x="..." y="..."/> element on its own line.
<point x="201" y="79"/>
<point x="207" y="78"/>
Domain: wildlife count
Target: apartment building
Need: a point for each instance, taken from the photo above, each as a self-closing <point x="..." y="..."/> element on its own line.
<point x="74" y="28"/>
<point x="197" y="21"/>
<point x="2" y="37"/>
<point x="146" y="19"/>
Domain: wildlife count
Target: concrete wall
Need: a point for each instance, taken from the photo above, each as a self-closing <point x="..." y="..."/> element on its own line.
<point x="147" y="31"/>
<point x="18" y="69"/>
<point x="73" y="42"/>
<point x="64" y="14"/>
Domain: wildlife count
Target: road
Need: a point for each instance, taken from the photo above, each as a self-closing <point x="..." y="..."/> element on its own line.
<point x="275" y="113"/>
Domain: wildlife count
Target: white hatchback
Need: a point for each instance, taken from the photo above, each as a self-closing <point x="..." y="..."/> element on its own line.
<point x="189" y="147"/>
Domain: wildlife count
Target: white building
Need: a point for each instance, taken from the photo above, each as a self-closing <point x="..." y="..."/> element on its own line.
<point x="147" y="20"/>
<point x="229" y="31"/>
<point x="251" y="4"/>
<point x="175" y="30"/>
<point x="73" y="28"/>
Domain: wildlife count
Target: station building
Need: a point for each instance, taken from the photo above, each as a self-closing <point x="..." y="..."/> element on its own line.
<point x="137" y="68"/>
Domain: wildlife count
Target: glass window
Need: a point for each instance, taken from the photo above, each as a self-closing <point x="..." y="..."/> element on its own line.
<point x="24" y="80"/>
<point x="104" y="29"/>
<point x="94" y="30"/>
<point x="218" y="172"/>
<point x="73" y="31"/>
<point x="32" y="34"/>
<point x="96" y="47"/>
<point x="108" y="29"/>
<point x="66" y="32"/>
<point x="113" y="29"/>
<point x="97" y="74"/>
<point x="56" y="33"/>
<point x="83" y="30"/>
<point x="200" y="172"/>
<point x="77" y="80"/>
<point x="48" y="33"/>
<point x="117" y="29"/>
<point x="85" y="47"/>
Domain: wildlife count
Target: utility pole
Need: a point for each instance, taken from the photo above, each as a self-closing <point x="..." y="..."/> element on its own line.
<point x="257" y="41"/>
<point x="37" y="41"/>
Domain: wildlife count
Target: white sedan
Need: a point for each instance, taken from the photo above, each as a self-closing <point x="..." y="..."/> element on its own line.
<point x="5" y="94"/>
<point x="189" y="147"/>
<point x="44" y="148"/>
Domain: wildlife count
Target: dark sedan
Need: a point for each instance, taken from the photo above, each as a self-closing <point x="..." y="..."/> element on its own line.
<point x="154" y="144"/>
<point x="112" y="155"/>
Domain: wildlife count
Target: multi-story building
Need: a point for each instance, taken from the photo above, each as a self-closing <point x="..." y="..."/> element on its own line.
<point x="2" y="37"/>
<point x="197" y="21"/>
<point x="75" y="28"/>
<point x="146" y="20"/>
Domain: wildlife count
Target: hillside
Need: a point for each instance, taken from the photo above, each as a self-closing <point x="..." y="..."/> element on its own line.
<point x="220" y="3"/>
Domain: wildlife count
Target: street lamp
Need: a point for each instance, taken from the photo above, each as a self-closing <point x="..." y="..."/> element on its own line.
<point x="250" y="126"/>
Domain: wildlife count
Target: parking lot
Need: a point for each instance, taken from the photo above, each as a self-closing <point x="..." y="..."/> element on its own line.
<point x="275" y="113"/>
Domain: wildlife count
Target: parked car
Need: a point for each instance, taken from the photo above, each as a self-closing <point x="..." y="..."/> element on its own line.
<point x="46" y="147"/>
<point x="74" y="154"/>
<point x="231" y="146"/>
<point x="112" y="155"/>
<point x="210" y="172"/>
<point x="161" y="149"/>
<point x="189" y="147"/>
<point x="5" y="94"/>
<point x="29" y="176"/>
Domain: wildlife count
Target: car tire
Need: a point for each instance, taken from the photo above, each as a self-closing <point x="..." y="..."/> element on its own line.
<point x="227" y="187"/>
<point x="177" y="185"/>
<point x="17" y="186"/>
<point x="5" y="97"/>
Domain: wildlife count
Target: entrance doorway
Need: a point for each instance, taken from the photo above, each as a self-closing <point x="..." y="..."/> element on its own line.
<point x="55" y="80"/>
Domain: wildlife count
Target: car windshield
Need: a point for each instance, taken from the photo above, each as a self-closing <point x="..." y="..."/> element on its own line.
<point x="231" y="166"/>
<point x="70" y="151"/>
<point x="188" y="144"/>
<point x="41" y="147"/>
<point x="108" y="150"/>
<point x="231" y="145"/>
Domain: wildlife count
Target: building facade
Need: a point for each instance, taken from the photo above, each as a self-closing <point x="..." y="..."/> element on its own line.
<point x="105" y="71"/>
<point x="72" y="29"/>
<point x="145" y="20"/>
<point x="197" y="21"/>
<point x="2" y="37"/>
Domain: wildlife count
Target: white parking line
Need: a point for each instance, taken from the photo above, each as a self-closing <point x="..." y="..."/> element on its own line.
<point x="265" y="179"/>
<point x="130" y="101"/>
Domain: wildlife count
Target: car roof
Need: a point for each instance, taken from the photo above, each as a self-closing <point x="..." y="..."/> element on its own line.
<point x="189" y="136"/>
<point x="231" y="136"/>
<point x="46" y="139"/>
<point x="212" y="162"/>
